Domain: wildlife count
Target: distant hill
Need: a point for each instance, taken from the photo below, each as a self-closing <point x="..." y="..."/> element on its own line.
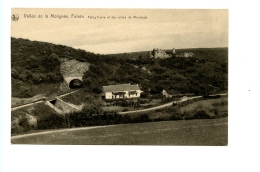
<point x="135" y="55"/>
<point x="205" y="73"/>
<point x="211" y="54"/>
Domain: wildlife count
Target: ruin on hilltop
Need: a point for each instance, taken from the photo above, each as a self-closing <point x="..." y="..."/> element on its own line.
<point x="159" y="53"/>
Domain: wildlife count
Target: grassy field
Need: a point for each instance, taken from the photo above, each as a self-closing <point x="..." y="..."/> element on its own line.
<point x="206" y="105"/>
<point x="212" y="132"/>
<point x="116" y="108"/>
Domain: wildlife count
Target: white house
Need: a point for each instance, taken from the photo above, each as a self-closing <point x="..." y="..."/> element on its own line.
<point x="121" y="91"/>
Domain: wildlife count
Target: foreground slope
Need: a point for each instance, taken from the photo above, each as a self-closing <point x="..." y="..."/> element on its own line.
<point x="191" y="132"/>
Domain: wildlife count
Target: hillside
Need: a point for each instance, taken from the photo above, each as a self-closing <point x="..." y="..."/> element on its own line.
<point x="36" y="70"/>
<point x="35" y="66"/>
<point x="205" y="73"/>
<point x="39" y="69"/>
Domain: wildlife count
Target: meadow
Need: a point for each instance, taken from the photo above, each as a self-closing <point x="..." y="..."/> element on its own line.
<point x="207" y="132"/>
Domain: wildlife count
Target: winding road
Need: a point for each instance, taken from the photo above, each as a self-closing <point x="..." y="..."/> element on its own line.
<point x="166" y="105"/>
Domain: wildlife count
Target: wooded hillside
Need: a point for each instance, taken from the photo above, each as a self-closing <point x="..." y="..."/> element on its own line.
<point x="36" y="65"/>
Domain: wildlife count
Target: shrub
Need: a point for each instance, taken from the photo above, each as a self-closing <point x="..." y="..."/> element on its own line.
<point x="142" y="118"/>
<point x="118" y="119"/>
<point x="176" y="116"/>
<point x="144" y="95"/>
<point x="162" y="119"/>
<point x="166" y="100"/>
<point x="126" y="119"/>
<point x="77" y="119"/>
<point x="143" y="101"/>
<point x="23" y="122"/>
<point x="221" y="115"/>
<point x="125" y="110"/>
<point x="51" y="121"/>
<point x="201" y="114"/>
<point x="222" y="103"/>
<point x="20" y="125"/>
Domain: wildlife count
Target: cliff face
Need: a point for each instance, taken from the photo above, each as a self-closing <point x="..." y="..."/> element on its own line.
<point x="73" y="67"/>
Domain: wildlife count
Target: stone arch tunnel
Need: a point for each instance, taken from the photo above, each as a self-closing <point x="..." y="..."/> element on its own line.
<point x="73" y="81"/>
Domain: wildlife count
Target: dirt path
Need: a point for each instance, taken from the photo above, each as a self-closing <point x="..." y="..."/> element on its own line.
<point x="158" y="107"/>
<point x="165" y="105"/>
<point x="57" y="131"/>
<point x="148" y="109"/>
<point x="25" y="105"/>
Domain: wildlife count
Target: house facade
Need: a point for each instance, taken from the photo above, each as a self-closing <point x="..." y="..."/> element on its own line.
<point x="121" y="91"/>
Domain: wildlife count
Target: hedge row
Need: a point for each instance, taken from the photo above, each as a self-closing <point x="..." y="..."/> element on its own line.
<point x="80" y="119"/>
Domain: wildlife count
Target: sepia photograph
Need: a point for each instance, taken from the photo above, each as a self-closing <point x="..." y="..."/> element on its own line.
<point x="101" y="76"/>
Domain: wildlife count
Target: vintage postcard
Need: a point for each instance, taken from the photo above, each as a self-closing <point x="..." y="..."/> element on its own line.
<point x="119" y="76"/>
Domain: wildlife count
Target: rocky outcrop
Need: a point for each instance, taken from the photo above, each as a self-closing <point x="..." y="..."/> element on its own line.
<point x="73" y="67"/>
<point x="73" y="72"/>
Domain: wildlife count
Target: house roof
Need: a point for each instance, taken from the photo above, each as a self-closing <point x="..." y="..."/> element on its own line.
<point x="120" y="87"/>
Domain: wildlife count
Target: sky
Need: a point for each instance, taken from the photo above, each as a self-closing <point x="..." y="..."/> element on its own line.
<point x="108" y="31"/>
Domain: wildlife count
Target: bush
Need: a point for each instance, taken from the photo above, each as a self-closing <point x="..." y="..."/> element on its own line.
<point x="126" y="119"/>
<point x="176" y="116"/>
<point x="166" y="100"/>
<point x="77" y="119"/>
<point x="162" y="119"/>
<point x="20" y="125"/>
<point x="222" y="103"/>
<point x="221" y="115"/>
<point x="143" y="101"/>
<point x="52" y="121"/>
<point x="201" y="114"/>
<point x="24" y="123"/>
<point x="125" y="110"/>
<point x="142" y="118"/>
<point x="144" y="95"/>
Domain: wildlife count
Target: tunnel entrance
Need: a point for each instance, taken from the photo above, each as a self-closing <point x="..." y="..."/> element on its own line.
<point x="53" y="101"/>
<point x="75" y="83"/>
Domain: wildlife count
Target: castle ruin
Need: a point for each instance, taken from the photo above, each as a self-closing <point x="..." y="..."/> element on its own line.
<point x="159" y="53"/>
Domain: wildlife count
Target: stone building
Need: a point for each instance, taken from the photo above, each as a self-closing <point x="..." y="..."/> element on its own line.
<point x="159" y="53"/>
